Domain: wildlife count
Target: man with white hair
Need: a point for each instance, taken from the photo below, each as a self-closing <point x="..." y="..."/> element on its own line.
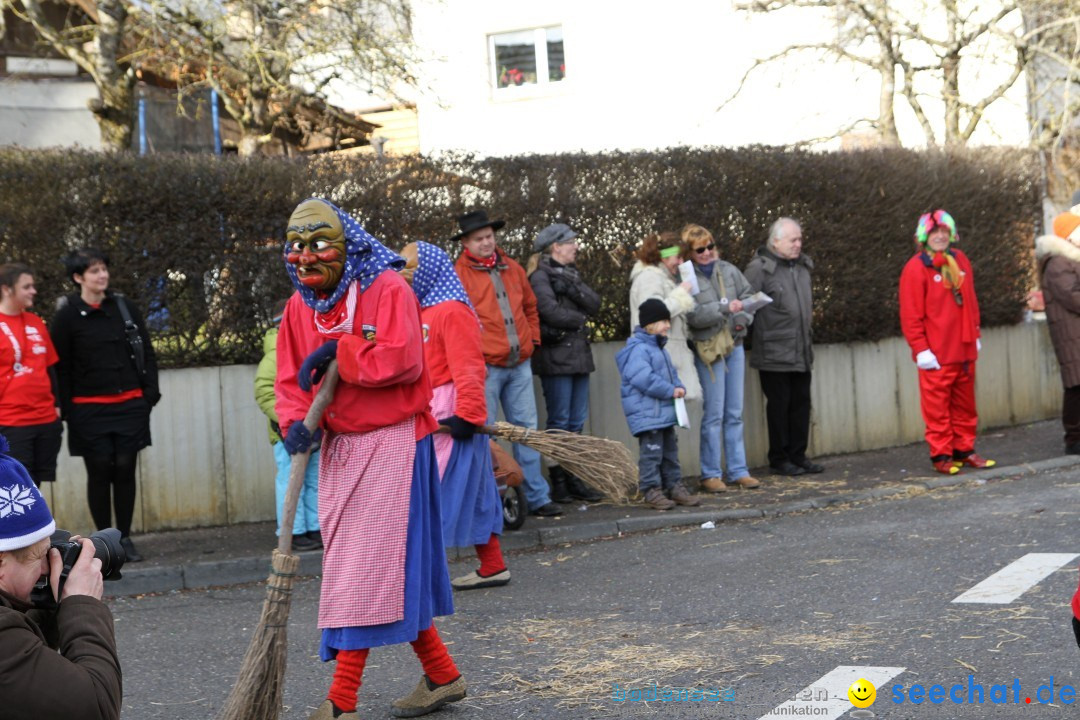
<point x="782" y="347"/>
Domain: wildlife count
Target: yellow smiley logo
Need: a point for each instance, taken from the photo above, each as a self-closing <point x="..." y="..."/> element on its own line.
<point x="862" y="693"/>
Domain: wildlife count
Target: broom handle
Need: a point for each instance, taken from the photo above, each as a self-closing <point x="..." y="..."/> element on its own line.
<point x="299" y="461"/>
<point x="482" y="429"/>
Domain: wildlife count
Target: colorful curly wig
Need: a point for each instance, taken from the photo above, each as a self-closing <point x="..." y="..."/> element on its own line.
<point x="931" y="221"/>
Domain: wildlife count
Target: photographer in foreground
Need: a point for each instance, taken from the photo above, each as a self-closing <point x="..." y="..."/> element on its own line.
<point x="81" y="681"/>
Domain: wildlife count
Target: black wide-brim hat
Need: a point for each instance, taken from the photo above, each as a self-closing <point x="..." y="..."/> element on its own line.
<point x="474" y="221"/>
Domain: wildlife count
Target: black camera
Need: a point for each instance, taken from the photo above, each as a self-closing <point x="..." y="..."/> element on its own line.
<point x="107" y="549"/>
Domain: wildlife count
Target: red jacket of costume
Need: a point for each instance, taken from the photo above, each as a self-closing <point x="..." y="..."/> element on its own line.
<point x="383" y="380"/>
<point x="929" y="315"/>
<point x="519" y="303"/>
<point x="453" y="352"/>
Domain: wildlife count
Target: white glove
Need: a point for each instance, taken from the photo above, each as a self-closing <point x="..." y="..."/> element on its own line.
<point x="978" y="345"/>
<point x="926" y="360"/>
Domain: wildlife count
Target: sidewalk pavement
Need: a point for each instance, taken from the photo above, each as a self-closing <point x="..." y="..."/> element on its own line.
<point x="229" y="555"/>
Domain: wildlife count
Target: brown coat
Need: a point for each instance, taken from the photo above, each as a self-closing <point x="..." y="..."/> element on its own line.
<point x="81" y="682"/>
<point x="1059" y="271"/>
<point x="506" y="305"/>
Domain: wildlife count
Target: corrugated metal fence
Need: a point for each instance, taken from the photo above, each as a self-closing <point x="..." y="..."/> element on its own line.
<point x="211" y="463"/>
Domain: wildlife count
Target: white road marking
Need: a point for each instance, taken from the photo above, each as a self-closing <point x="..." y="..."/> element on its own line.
<point x="828" y="695"/>
<point x="1013" y="580"/>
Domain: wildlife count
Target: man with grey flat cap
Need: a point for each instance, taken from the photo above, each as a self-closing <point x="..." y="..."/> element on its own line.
<point x="564" y="359"/>
<point x="510" y="333"/>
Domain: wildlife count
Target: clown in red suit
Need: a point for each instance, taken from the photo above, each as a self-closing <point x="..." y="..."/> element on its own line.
<point x="471" y="509"/>
<point x="384" y="565"/>
<point x="939" y="315"/>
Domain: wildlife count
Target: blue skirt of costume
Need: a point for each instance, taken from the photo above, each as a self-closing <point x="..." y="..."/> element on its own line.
<point x="471" y="507"/>
<point x="427" y="580"/>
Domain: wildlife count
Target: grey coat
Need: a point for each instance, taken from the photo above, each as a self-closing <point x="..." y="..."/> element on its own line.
<point x="564" y="302"/>
<point x="782" y="339"/>
<point x="711" y="312"/>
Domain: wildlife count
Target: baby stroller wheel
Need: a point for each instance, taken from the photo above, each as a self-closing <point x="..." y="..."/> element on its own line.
<point x="513" y="502"/>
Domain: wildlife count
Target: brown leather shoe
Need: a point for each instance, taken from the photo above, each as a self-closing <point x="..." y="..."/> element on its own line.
<point x="748" y="483"/>
<point x="682" y="496"/>
<point x="326" y="712"/>
<point x="713" y="485"/>
<point x="655" y="497"/>
<point x="428" y="697"/>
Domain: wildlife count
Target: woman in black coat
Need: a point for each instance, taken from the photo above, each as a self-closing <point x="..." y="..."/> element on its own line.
<point x="564" y="359"/>
<point x="108" y="382"/>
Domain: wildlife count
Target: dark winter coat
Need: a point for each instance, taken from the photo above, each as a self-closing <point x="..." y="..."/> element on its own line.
<point x="782" y="336"/>
<point x="95" y="355"/>
<point x="1059" y="270"/>
<point x="564" y="302"/>
<point x="648" y="383"/>
<point x="81" y="682"/>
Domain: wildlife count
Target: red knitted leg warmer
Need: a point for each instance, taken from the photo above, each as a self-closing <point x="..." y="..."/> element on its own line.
<point x="491" y="557"/>
<point x="347" y="674"/>
<point x="438" y="665"/>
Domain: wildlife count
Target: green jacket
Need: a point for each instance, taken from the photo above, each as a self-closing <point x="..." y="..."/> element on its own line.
<point x="264" y="382"/>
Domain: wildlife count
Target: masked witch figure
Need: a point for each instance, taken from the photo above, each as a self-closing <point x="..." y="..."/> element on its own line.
<point x="384" y="565"/>
<point x="939" y="315"/>
<point x="471" y="509"/>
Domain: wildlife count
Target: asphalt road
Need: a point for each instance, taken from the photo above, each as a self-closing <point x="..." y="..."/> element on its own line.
<point x="765" y="608"/>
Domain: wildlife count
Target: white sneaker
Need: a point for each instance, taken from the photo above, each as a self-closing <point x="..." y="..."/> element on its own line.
<point x="474" y="581"/>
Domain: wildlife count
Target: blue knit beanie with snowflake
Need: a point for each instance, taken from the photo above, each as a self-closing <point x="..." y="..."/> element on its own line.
<point x="24" y="516"/>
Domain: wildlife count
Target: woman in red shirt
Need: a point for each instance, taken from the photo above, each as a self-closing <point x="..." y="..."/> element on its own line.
<point x="29" y="417"/>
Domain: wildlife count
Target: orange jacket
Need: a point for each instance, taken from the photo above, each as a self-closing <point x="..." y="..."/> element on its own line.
<point x="505" y="303"/>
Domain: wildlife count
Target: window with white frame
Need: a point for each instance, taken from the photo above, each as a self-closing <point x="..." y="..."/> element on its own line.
<point x="527" y="57"/>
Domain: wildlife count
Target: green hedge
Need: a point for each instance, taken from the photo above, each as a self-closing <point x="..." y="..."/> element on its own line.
<point x="195" y="240"/>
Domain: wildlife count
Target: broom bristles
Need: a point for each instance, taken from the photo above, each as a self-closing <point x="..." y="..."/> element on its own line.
<point x="259" y="688"/>
<point x="605" y="464"/>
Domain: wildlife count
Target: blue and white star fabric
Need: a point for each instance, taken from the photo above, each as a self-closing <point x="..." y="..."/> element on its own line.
<point x="24" y="517"/>
<point x="435" y="280"/>
<point x="365" y="260"/>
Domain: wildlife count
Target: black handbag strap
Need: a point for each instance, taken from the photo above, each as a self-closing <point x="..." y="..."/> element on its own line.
<point x="134" y="338"/>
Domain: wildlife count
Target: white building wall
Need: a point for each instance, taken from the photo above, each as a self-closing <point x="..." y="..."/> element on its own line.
<point x="48" y="113"/>
<point x="651" y="76"/>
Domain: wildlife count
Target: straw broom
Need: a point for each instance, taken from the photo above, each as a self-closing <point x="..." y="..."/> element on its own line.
<point x="257" y="694"/>
<point x="606" y="464"/>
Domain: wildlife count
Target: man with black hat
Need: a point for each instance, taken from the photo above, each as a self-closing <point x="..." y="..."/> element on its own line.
<point x="504" y="301"/>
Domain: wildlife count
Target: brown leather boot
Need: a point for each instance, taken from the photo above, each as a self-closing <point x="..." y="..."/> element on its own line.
<point x="655" y="497"/>
<point x="682" y="496"/>
<point x="713" y="485"/>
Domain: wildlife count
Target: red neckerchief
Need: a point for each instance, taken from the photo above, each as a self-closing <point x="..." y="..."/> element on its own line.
<point x="341" y="318"/>
<point x="488" y="262"/>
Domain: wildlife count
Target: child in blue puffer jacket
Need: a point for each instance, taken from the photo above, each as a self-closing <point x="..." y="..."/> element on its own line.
<point x="649" y="388"/>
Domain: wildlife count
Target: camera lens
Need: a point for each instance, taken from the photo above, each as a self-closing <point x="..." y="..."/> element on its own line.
<point x="109" y="551"/>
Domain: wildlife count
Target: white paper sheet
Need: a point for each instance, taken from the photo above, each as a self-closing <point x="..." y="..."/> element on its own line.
<point x="686" y="272"/>
<point x="681" y="416"/>
<point x="755" y="302"/>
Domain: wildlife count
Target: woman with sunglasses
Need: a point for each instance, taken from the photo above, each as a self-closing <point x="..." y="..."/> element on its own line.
<point x="718" y="325"/>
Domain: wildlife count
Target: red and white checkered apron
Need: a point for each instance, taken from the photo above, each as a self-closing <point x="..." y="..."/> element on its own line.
<point x="364" y="486"/>
<point x="443" y="400"/>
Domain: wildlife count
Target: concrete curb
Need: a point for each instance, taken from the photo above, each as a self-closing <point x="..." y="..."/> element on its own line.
<point x="191" y="576"/>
